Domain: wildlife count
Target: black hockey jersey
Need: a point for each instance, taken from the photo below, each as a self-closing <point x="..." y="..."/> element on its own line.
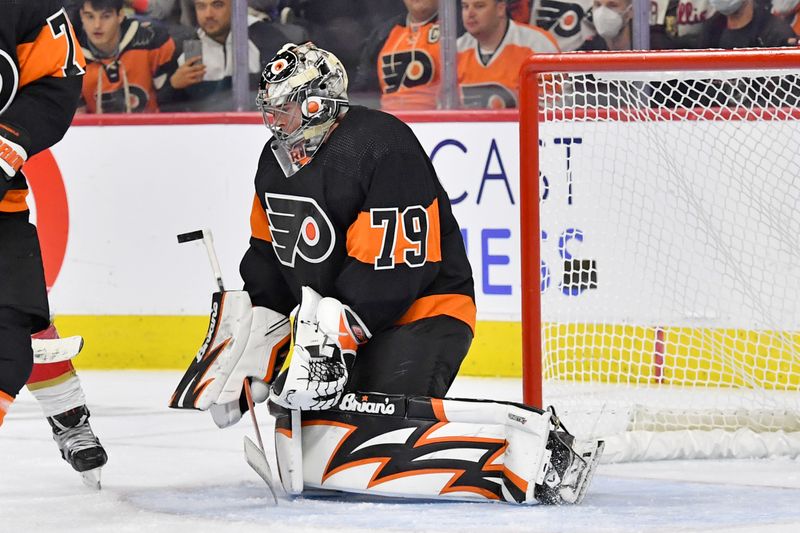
<point x="367" y="222"/>
<point x="40" y="68"/>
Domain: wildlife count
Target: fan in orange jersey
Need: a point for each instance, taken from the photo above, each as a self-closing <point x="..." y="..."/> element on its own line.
<point x="129" y="63"/>
<point x="41" y="66"/>
<point x="401" y="58"/>
<point x="491" y="52"/>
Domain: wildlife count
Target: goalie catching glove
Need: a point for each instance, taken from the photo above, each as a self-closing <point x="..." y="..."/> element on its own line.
<point x="243" y="342"/>
<point x="323" y="331"/>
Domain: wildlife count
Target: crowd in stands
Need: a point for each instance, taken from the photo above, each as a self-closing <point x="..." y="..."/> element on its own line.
<point x="177" y="55"/>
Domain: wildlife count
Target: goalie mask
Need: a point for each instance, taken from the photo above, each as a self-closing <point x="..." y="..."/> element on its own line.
<point x="303" y="90"/>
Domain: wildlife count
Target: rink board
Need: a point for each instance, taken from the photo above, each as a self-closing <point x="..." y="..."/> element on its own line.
<point x="120" y="279"/>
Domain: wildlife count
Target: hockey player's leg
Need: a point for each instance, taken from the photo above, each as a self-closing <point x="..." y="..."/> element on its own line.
<point x="57" y="388"/>
<point x="392" y="445"/>
<point x="16" y="356"/>
<point x="419" y="358"/>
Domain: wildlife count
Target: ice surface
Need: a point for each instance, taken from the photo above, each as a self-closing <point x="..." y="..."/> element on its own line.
<point x="174" y="471"/>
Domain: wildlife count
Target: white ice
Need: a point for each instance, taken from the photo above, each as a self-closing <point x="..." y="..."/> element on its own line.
<point x="174" y="471"/>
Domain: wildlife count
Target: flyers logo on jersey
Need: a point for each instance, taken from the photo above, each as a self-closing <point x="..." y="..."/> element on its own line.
<point x="560" y="18"/>
<point x="488" y="96"/>
<point x="299" y="227"/>
<point x="9" y="80"/>
<point x="406" y="69"/>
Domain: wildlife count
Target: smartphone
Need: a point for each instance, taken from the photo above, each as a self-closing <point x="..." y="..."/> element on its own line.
<point x="192" y="48"/>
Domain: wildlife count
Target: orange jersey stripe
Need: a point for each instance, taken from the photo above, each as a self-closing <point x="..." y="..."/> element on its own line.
<point x="365" y="242"/>
<point x="458" y="306"/>
<point x="259" y="226"/>
<point x="14" y="201"/>
<point x="47" y="56"/>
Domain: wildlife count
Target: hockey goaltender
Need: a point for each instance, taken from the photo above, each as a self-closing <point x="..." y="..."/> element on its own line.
<point x="357" y="269"/>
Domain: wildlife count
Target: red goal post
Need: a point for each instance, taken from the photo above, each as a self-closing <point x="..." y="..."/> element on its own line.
<point x="661" y="257"/>
<point x="684" y="60"/>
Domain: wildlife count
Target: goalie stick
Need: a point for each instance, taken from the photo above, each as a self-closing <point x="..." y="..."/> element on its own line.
<point x="56" y="350"/>
<point x="208" y="241"/>
<point x="254" y="454"/>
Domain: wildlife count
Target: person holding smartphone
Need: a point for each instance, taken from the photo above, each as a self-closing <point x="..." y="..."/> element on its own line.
<point x="206" y="64"/>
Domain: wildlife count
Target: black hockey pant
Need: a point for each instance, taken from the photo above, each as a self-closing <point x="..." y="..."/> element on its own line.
<point x="419" y="358"/>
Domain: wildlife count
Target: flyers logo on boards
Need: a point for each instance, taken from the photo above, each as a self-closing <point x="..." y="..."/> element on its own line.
<point x="299" y="227"/>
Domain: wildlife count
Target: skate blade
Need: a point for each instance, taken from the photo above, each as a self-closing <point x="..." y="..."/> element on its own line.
<point x="258" y="461"/>
<point x="91" y="478"/>
<point x="593" y="460"/>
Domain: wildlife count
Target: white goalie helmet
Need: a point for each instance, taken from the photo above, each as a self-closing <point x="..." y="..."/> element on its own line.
<point x="303" y="90"/>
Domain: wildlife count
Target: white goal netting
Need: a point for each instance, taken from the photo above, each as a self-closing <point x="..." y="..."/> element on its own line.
<point x="670" y="246"/>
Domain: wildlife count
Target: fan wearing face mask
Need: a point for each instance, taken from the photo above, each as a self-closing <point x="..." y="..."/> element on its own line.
<point x="744" y="24"/>
<point x="612" y="22"/>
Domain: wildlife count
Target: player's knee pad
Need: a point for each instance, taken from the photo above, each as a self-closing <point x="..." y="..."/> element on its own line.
<point x="417" y="447"/>
<point x="243" y="341"/>
<point x="16" y="354"/>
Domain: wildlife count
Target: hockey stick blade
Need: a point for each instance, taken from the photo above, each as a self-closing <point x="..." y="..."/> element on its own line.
<point x="191" y="236"/>
<point x="56" y="350"/>
<point x="258" y="461"/>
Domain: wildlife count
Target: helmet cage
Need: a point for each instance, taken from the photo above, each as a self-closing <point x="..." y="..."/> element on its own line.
<point x="301" y="94"/>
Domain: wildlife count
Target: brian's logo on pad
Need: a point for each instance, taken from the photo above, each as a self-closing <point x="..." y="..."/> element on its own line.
<point x="361" y="404"/>
<point x="299" y="227"/>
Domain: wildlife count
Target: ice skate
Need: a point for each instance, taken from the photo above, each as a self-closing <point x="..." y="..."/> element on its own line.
<point x="571" y="468"/>
<point x="78" y="444"/>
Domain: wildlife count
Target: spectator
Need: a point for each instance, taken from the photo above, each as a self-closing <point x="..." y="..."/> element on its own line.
<point x="690" y="16"/>
<point x="401" y="59"/>
<point x="568" y="21"/>
<point x="128" y="62"/>
<point x="342" y="25"/>
<point x="491" y="52"/>
<point x="612" y="21"/>
<point x="789" y="10"/>
<point x="742" y="24"/>
<point x="213" y="92"/>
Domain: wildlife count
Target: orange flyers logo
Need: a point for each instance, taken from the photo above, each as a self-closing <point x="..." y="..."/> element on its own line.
<point x="299" y="227"/>
<point x="561" y="18"/>
<point x="406" y="69"/>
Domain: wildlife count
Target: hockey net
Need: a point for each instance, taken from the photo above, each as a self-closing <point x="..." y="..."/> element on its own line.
<point x="661" y="285"/>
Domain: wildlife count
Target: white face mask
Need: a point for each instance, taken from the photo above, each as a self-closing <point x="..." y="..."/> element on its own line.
<point x="726" y="7"/>
<point x="608" y="22"/>
<point x="782" y="7"/>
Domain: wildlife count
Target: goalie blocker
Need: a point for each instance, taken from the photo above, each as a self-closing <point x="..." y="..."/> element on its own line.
<point x="416" y="447"/>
